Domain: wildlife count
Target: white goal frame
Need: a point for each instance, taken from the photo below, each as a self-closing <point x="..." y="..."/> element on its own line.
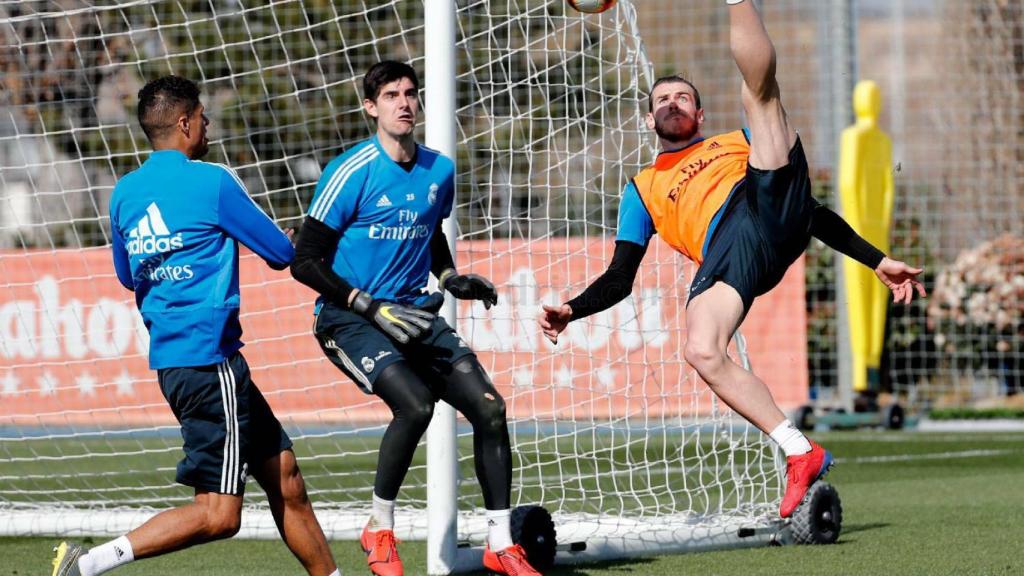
<point x="454" y="539"/>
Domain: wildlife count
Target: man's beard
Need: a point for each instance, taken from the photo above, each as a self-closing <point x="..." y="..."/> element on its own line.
<point x="201" y="150"/>
<point x="677" y="127"/>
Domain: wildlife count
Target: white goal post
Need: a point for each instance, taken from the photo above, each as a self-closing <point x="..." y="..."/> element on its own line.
<point x="542" y="109"/>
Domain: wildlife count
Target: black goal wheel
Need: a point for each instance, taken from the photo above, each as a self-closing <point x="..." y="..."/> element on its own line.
<point x="819" y="518"/>
<point x="893" y="417"/>
<point x="533" y="529"/>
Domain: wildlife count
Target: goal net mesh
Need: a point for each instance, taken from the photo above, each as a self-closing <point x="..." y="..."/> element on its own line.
<point x="609" y="425"/>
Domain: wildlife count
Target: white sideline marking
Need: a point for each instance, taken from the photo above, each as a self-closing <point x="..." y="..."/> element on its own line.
<point x="927" y="456"/>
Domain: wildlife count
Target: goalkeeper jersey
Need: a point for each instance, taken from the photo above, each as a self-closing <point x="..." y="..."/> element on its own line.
<point x="175" y="224"/>
<point x="386" y="216"/>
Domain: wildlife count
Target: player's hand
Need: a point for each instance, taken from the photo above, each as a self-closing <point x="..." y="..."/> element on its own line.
<point x="403" y="323"/>
<point x="290" y="234"/>
<point x="901" y="279"/>
<point x="553" y="320"/>
<point x="433" y="303"/>
<point x="469" y="287"/>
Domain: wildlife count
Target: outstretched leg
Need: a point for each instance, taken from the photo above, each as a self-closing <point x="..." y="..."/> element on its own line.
<point x="782" y="201"/>
<point x="216" y="435"/>
<point x="210" y="517"/>
<point x="771" y="137"/>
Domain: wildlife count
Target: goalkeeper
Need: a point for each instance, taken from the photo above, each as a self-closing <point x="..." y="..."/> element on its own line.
<point x="739" y="205"/>
<point x="176" y="223"/>
<point x="370" y="239"/>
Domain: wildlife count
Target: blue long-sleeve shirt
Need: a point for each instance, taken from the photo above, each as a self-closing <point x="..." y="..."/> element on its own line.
<point x="387" y="216"/>
<point x="176" y="225"/>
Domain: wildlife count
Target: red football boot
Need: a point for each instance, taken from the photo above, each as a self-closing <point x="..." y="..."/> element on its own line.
<point x="511" y="561"/>
<point x="801" y="472"/>
<point x="381" y="552"/>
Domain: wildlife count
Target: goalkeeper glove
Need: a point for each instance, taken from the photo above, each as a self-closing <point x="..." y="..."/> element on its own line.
<point x="433" y="303"/>
<point x="468" y="287"/>
<point x="403" y="323"/>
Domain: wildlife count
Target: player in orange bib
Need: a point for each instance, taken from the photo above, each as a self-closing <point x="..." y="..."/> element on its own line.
<point x="739" y="204"/>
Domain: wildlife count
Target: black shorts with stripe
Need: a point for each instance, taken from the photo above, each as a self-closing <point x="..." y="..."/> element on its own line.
<point x="362" y="351"/>
<point x="766" y="227"/>
<point x="226" y="423"/>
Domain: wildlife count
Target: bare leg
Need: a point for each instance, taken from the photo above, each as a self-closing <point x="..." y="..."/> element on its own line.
<point x="211" y="517"/>
<point x="711" y="319"/>
<point x="771" y="137"/>
<point x="286" y="491"/>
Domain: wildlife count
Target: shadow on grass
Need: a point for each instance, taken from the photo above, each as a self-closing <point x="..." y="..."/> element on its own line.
<point x="627" y="566"/>
<point x="854" y="528"/>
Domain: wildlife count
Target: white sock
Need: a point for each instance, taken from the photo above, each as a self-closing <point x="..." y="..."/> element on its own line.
<point x="383" y="515"/>
<point x="792" y="441"/>
<point x="106" y="557"/>
<point x="337" y="572"/>
<point x="499" y="529"/>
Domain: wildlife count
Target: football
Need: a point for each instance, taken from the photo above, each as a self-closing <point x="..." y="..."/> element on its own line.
<point x="591" y="6"/>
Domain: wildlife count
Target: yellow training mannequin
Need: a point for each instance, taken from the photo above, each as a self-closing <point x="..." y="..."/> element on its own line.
<point x="866" y="191"/>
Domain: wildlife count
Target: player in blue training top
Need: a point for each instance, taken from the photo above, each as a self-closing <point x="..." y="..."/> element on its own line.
<point x="176" y="223"/>
<point x="371" y="238"/>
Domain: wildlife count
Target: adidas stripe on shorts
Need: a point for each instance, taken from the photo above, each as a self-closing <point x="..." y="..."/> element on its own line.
<point x="226" y="423"/>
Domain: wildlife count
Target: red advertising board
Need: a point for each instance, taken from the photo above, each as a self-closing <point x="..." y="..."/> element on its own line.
<point x="73" y="348"/>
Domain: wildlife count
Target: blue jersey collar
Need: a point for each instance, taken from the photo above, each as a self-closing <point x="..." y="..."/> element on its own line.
<point x="391" y="162"/>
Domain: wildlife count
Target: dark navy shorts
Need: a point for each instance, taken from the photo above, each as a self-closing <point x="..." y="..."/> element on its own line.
<point x="362" y="351"/>
<point x="766" y="227"/>
<point x="226" y="423"/>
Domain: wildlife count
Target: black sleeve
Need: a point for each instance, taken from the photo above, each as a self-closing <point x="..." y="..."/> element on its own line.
<point x="831" y="229"/>
<point x="615" y="284"/>
<point x="316" y="245"/>
<point x="440" y="254"/>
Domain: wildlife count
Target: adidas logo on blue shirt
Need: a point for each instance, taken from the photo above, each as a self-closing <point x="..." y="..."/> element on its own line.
<point x="384" y="201"/>
<point x="151" y="235"/>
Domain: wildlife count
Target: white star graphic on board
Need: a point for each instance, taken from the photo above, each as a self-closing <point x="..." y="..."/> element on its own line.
<point x="9" y="385"/>
<point x="47" y="384"/>
<point x="606" y="376"/>
<point x="125" y="384"/>
<point x="86" y="384"/>
<point x="564" y="377"/>
<point x="522" y="378"/>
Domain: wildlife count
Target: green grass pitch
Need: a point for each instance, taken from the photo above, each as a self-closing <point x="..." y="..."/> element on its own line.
<point x="914" y="503"/>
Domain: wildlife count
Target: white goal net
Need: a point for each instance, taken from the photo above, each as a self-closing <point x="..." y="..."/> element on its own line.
<point x="612" y="432"/>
